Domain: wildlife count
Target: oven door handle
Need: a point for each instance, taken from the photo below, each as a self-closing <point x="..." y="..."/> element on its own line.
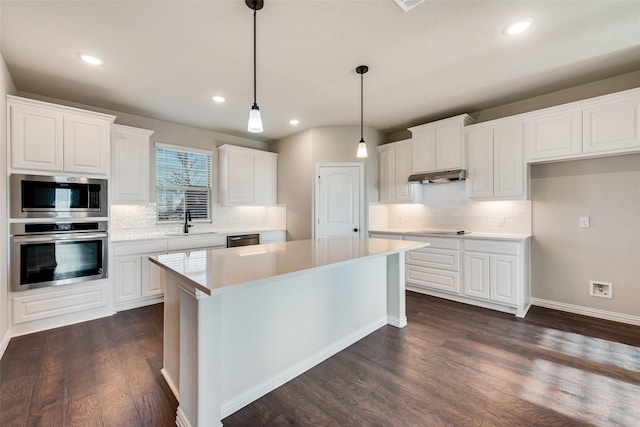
<point x="58" y="237"/>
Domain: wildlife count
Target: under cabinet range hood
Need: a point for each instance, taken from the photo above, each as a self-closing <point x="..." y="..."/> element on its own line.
<point x="440" y="177"/>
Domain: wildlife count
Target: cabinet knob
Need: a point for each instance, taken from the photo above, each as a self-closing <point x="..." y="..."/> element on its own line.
<point x="355" y="230"/>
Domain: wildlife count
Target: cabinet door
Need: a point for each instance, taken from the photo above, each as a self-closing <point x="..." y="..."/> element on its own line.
<point x="423" y="146"/>
<point x="241" y="170"/>
<point x="36" y="138"/>
<point x="476" y="274"/>
<point x="612" y="126"/>
<point x="152" y="279"/>
<point x="86" y="144"/>
<point x="555" y="135"/>
<point x="387" y="175"/>
<point x="403" y="170"/>
<point x="480" y="163"/>
<point x="129" y="165"/>
<point x="508" y="162"/>
<point x="504" y="278"/>
<point x="449" y="147"/>
<point x="128" y="276"/>
<point x="265" y="179"/>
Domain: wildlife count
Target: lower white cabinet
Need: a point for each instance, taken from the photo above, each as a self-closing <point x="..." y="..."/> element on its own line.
<point x="491" y="273"/>
<point x="436" y="266"/>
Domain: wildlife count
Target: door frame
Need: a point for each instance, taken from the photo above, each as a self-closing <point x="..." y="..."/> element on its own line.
<point x="316" y="194"/>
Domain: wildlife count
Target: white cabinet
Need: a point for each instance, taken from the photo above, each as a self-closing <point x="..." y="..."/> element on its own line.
<point x="486" y="272"/>
<point x="495" y="271"/>
<point x="495" y="163"/>
<point x="136" y="281"/>
<point x="611" y="126"/>
<point x="273" y="236"/>
<point x="49" y="137"/>
<point x="434" y="267"/>
<point x="557" y="133"/>
<point x="439" y="145"/>
<point x="129" y="164"/>
<point x="247" y="176"/>
<point x="395" y="168"/>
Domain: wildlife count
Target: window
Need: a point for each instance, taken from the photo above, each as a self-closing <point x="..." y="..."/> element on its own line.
<point x="183" y="183"/>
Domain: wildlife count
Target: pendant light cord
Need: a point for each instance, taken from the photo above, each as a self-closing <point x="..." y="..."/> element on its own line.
<point x="255" y="98"/>
<point x="361" y="107"/>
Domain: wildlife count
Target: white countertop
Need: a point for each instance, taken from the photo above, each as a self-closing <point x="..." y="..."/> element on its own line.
<point x="467" y="235"/>
<point x="163" y="233"/>
<point x="218" y="270"/>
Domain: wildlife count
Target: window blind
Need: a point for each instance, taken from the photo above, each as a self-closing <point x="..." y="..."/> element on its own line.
<point x="183" y="183"/>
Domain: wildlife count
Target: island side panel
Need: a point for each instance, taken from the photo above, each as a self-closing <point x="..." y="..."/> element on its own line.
<point x="274" y="332"/>
<point x="396" y="295"/>
<point x="171" y="338"/>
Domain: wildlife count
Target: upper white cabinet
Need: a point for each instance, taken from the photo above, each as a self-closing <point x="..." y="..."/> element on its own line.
<point x="247" y="176"/>
<point x="129" y="164"/>
<point x="601" y="126"/>
<point x="439" y="145"/>
<point x="495" y="161"/>
<point x="395" y="168"/>
<point x="555" y="134"/>
<point x="49" y="137"/>
<point x="611" y="126"/>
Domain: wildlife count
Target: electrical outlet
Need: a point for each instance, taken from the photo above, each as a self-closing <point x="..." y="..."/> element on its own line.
<point x="584" y="222"/>
<point x="600" y="289"/>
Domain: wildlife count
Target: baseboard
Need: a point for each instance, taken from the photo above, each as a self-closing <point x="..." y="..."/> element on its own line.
<point x="232" y="405"/>
<point x="170" y="383"/>
<point x="587" y="311"/>
<point x="4" y="342"/>
<point x="138" y="303"/>
<point x="396" y="321"/>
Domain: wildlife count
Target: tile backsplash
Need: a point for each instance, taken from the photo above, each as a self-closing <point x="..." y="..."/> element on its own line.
<point x="129" y="221"/>
<point x="446" y="207"/>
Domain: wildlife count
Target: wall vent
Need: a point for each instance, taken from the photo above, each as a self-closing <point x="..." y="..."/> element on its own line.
<point x="407" y="5"/>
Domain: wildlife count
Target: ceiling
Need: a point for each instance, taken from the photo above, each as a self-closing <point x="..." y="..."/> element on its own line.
<point x="165" y="59"/>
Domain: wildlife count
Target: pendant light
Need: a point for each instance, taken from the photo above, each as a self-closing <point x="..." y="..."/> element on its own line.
<point x="362" y="146"/>
<point x="255" y="120"/>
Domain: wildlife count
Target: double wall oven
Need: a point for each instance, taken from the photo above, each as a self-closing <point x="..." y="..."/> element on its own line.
<point x="59" y="230"/>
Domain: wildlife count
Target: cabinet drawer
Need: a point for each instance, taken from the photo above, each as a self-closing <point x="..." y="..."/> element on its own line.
<point x="431" y="278"/>
<point x="273" y="236"/>
<point x="139" y="248"/>
<point x="446" y="259"/>
<point x="492" y="246"/>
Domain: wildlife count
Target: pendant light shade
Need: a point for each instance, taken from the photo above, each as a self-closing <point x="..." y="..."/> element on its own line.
<point x="255" y="119"/>
<point x="362" y="146"/>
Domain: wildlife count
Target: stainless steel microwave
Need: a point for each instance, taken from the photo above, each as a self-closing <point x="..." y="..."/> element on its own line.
<point x="39" y="196"/>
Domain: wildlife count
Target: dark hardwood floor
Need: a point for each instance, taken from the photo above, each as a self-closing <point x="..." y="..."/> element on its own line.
<point x="453" y="365"/>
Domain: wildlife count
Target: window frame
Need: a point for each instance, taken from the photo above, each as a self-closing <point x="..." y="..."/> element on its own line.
<point x="210" y="190"/>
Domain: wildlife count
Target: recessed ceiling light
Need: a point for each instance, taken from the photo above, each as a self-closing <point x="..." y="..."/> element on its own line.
<point x="90" y="59"/>
<point x="294" y="122"/>
<point x="218" y="99"/>
<point x="518" y="27"/>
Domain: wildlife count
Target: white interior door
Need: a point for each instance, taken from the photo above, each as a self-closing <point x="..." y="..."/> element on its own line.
<point x="338" y="202"/>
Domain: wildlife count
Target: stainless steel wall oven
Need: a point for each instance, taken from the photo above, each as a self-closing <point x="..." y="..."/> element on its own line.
<point x="39" y="196"/>
<point x="51" y="254"/>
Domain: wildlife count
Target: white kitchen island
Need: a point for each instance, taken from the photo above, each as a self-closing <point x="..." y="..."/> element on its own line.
<point x="240" y="322"/>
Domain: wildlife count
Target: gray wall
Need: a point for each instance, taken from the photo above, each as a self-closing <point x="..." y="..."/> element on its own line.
<point x="564" y="256"/>
<point x="297" y="159"/>
<point x="6" y="87"/>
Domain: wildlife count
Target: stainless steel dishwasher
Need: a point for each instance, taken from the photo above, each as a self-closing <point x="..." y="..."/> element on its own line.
<point x="243" y="240"/>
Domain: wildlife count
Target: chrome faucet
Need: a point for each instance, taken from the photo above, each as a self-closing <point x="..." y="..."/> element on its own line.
<point x="187" y="218"/>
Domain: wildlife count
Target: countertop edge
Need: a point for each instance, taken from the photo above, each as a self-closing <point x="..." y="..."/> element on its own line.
<point x="156" y="237"/>
<point x="470" y="235"/>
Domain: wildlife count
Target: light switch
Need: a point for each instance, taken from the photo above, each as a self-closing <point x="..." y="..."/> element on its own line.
<point x="584" y="222"/>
